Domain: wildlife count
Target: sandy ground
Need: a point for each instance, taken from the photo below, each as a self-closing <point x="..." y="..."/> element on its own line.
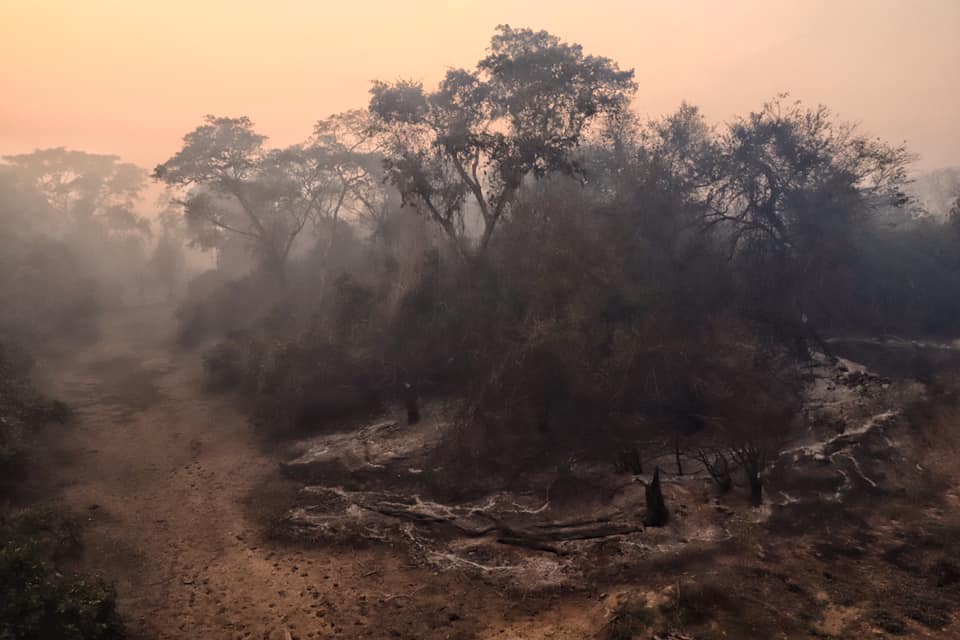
<point x="178" y="495"/>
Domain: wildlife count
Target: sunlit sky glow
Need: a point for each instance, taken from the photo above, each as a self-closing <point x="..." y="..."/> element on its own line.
<point x="132" y="76"/>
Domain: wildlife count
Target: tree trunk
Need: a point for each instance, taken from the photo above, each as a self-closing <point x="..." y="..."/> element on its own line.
<point x="657" y="514"/>
<point x="629" y="461"/>
<point x="274" y="267"/>
<point x="676" y="453"/>
<point x="800" y="347"/>
<point x="543" y="419"/>
<point x="412" y="402"/>
<point x="719" y="470"/>
<point x="756" y="487"/>
<point x="634" y="462"/>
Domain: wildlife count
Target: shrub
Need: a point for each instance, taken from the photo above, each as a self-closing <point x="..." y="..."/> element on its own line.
<point x="22" y="411"/>
<point x="698" y="604"/>
<point x="215" y="307"/>
<point x="295" y="384"/>
<point x="629" y="621"/>
<point x="39" y="603"/>
<point x="225" y="365"/>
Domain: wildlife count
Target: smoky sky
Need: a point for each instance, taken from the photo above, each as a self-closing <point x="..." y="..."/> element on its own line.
<point x="132" y="77"/>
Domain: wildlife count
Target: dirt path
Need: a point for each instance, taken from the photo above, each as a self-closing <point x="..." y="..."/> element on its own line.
<point x="177" y="493"/>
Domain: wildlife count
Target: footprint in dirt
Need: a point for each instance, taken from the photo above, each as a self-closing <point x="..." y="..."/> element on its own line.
<point x="195" y="446"/>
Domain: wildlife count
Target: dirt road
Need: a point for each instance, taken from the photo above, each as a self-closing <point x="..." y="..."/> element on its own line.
<point x="178" y="493"/>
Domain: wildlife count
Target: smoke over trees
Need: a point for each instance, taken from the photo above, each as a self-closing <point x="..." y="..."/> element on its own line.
<point x="580" y="267"/>
<point x="515" y="248"/>
<point x="522" y="112"/>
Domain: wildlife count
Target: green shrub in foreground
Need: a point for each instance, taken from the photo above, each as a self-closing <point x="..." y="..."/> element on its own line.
<point x="38" y="603"/>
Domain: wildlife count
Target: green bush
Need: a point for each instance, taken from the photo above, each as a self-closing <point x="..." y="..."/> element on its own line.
<point x="39" y="603"/>
<point x="37" y="600"/>
<point x="22" y="410"/>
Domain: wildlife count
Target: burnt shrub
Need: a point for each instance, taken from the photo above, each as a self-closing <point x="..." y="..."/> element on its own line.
<point x="698" y="604"/>
<point x="295" y="385"/>
<point x="215" y="306"/>
<point x="888" y="622"/>
<point x="308" y="383"/>
<point x="629" y="620"/>
<point x="232" y="363"/>
<point x="930" y="611"/>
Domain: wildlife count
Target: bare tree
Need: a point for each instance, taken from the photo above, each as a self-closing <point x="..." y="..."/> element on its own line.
<point x="717" y="465"/>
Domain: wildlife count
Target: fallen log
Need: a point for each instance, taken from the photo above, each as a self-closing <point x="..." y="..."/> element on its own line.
<point x="529" y="544"/>
<point x="565" y="534"/>
<point x="538" y="536"/>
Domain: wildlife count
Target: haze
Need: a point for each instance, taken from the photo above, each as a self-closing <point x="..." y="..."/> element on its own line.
<point x="131" y="77"/>
<point x="501" y="321"/>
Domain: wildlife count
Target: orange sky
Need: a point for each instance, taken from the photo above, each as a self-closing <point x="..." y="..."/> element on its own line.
<point x="132" y="76"/>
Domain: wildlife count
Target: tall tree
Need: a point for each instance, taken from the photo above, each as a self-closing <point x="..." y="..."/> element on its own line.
<point x="521" y="112"/>
<point x="220" y="167"/>
<point x="348" y="142"/>
<point x="234" y="186"/>
<point x="85" y="188"/>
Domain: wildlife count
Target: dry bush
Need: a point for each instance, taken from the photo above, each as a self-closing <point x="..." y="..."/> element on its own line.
<point x="629" y="621"/>
<point x="584" y="348"/>
<point x="295" y="384"/>
<point x="214" y="306"/>
<point x="750" y="393"/>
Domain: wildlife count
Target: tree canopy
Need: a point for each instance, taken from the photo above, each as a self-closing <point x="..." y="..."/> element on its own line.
<point x="84" y="187"/>
<point x="234" y="186"/>
<point x="521" y="112"/>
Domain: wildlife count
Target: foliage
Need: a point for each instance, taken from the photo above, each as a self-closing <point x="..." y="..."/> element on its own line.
<point x="521" y="112"/>
<point x="22" y="411"/>
<point x="168" y="261"/>
<point x="295" y="383"/>
<point x="789" y="186"/>
<point x="53" y="294"/>
<point x="234" y="187"/>
<point x="36" y="599"/>
<point x="82" y="186"/>
<point x="214" y="306"/>
<point x="70" y="234"/>
<point x="50" y="201"/>
<point x="903" y="279"/>
<point x="40" y="602"/>
<point x="579" y="280"/>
